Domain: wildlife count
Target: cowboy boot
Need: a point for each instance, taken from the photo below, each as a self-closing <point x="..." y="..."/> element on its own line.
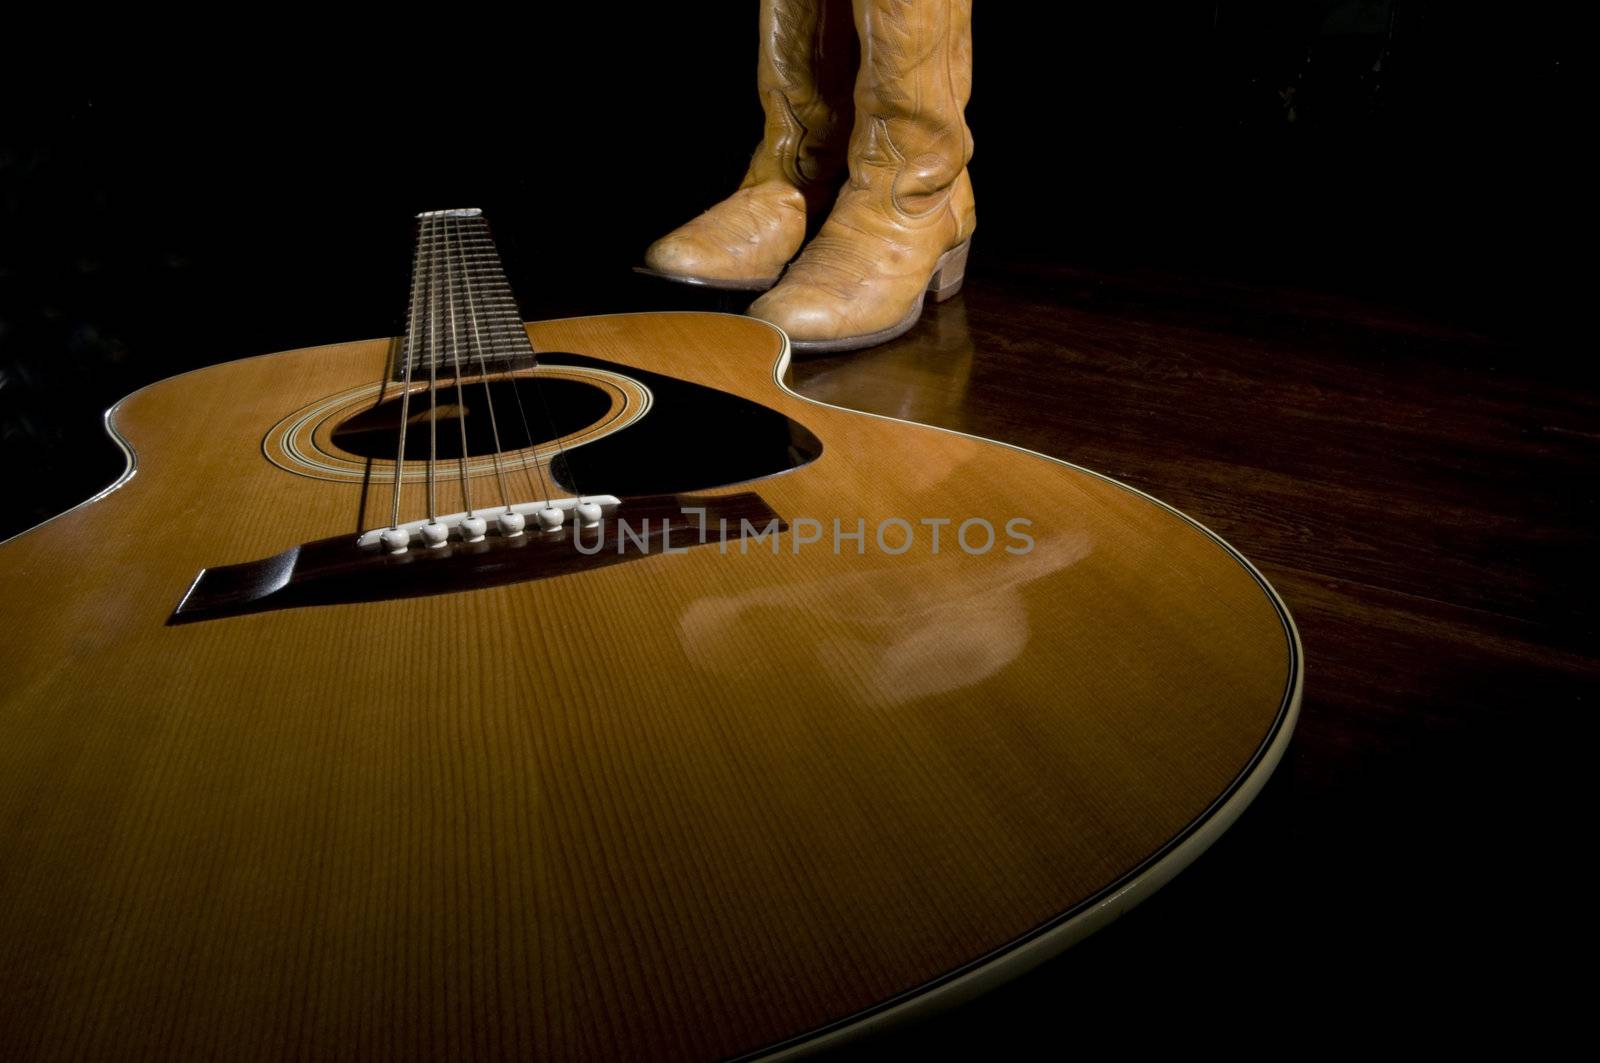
<point x="903" y="223"/>
<point x="804" y="73"/>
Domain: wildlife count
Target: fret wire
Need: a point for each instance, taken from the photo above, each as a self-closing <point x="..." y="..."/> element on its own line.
<point x="488" y="271"/>
<point x="417" y="282"/>
<point x="470" y="255"/>
<point x="433" y="385"/>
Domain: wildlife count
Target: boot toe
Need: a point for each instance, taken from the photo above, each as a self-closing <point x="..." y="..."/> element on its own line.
<point x="704" y="256"/>
<point x="743" y="241"/>
<point x="678" y="255"/>
<point x="807" y="317"/>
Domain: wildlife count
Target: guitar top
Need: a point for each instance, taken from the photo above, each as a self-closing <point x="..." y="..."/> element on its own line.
<point x="577" y="690"/>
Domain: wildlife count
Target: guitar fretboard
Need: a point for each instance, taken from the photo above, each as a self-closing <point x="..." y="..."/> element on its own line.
<point x="462" y="317"/>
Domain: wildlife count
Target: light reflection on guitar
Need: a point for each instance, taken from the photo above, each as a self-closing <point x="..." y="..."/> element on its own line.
<point x="457" y="783"/>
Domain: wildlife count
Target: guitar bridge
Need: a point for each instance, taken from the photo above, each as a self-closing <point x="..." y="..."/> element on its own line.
<point x="344" y="569"/>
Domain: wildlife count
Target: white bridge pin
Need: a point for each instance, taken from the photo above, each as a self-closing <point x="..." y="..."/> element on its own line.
<point x="472" y="525"/>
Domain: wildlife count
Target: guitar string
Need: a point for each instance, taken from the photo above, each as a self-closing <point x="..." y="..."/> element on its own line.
<point x="522" y="413"/>
<point x="417" y="283"/>
<point x="483" y="374"/>
<point x="433" y="381"/>
<point x="561" y="452"/>
<point x="530" y="456"/>
<point x="435" y="232"/>
<point x="461" y="402"/>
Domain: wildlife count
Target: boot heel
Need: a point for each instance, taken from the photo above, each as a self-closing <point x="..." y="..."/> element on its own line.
<point x="950" y="271"/>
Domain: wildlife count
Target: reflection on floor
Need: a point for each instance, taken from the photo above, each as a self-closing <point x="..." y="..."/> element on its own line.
<point x="1420" y="494"/>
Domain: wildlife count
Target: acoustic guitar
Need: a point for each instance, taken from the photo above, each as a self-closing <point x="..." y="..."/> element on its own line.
<point x="577" y="690"/>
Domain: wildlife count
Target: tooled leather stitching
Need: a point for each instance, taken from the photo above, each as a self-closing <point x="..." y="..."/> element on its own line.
<point x="788" y="147"/>
<point x="792" y="75"/>
<point x="834" y="264"/>
<point x="882" y="86"/>
<point x="900" y="171"/>
<point x="950" y="82"/>
<point x="746" y="220"/>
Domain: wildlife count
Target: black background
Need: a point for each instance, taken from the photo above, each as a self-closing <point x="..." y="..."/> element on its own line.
<point x="231" y="189"/>
<point x="244" y="183"/>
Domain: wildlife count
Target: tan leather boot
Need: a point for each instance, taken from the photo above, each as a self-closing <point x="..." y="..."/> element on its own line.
<point x="902" y="225"/>
<point x="805" y="72"/>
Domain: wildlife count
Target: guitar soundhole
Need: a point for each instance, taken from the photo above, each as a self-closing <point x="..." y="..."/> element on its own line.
<point x="527" y="412"/>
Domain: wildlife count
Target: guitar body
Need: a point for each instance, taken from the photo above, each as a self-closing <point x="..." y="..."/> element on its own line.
<point x="701" y="803"/>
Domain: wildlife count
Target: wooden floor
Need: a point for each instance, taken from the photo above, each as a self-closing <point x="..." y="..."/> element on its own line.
<point x="1423" y="494"/>
<point x="1424" y="497"/>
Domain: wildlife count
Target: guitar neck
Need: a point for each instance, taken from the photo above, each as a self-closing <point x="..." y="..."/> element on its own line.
<point x="463" y="319"/>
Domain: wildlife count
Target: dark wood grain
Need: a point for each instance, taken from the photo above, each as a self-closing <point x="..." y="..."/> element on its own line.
<point x="1423" y="495"/>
